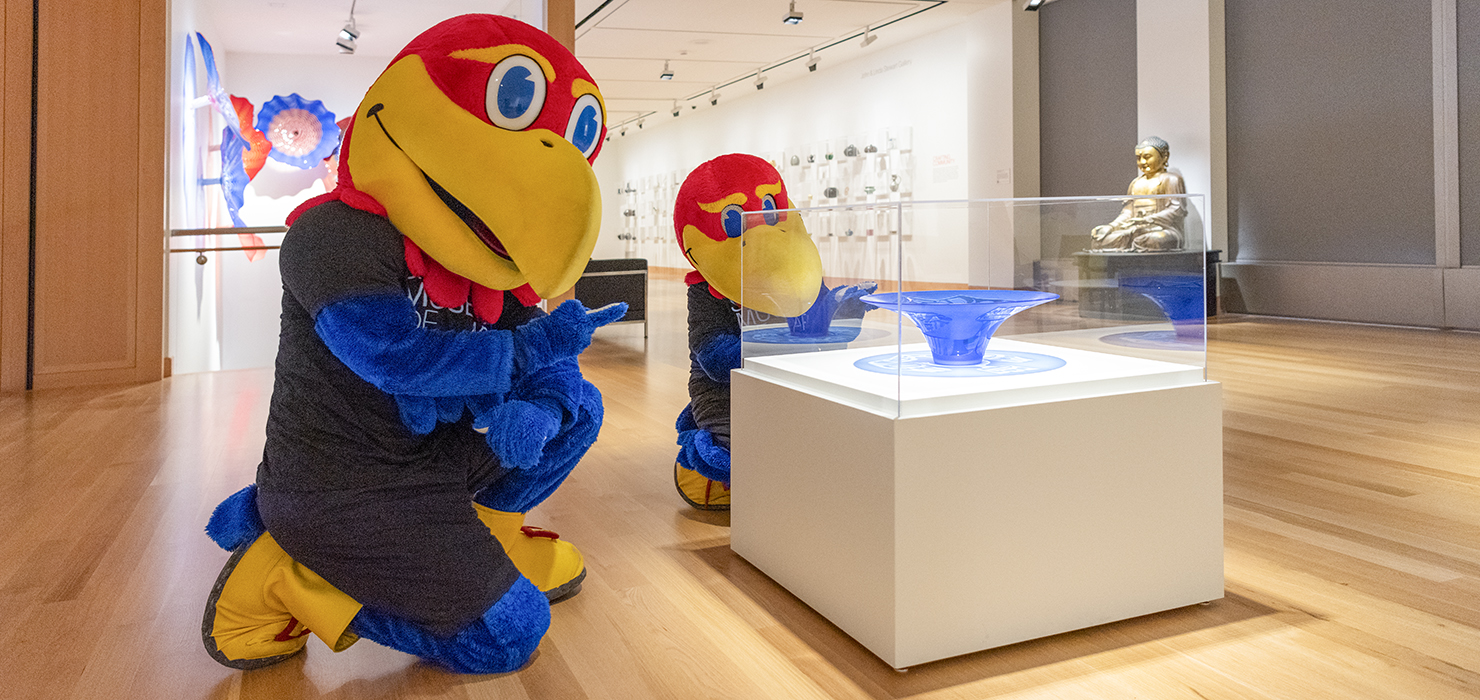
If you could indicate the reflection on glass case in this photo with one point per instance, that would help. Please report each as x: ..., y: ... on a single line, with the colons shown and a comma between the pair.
x: 981, y: 430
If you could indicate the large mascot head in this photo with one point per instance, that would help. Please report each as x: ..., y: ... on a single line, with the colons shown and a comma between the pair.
x: 477, y: 143
x: 729, y: 228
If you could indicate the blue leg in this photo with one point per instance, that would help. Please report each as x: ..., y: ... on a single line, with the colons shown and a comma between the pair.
x: 499, y: 642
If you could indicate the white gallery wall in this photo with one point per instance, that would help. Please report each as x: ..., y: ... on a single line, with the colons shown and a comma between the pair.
x: 192, y: 328
x: 949, y: 97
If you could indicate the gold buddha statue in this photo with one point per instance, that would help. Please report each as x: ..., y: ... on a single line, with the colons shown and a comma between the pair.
x: 1147, y: 225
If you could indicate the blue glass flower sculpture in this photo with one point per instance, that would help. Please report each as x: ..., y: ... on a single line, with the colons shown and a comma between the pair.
x: 1180, y: 297
x: 817, y: 321
x: 302, y: 132
x: 234, y: 176
x: 958, y: 323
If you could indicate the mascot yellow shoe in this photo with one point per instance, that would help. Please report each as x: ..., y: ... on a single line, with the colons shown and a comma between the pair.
x: 699, y: 491
x: 553, y: 565
x: 264, y: 605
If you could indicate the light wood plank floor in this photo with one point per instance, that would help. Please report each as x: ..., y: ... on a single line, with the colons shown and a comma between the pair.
x: 1352, y: 459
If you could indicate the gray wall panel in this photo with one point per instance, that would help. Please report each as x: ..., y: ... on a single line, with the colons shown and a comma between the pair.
x: 1087, y: 97
x: 1330, y: 131
x: 1363, y: 293
x: 1468, y: 47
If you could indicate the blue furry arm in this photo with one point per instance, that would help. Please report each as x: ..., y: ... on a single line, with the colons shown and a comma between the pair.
x: 561, y: 335
x: 714, y: 333
x: 718, y: 356
x: 378, y: 338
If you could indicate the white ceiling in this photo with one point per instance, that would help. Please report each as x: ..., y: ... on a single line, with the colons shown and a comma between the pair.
x: 708, y: 43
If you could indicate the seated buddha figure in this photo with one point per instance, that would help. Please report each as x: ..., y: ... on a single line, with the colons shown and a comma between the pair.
x: 1146, y: 225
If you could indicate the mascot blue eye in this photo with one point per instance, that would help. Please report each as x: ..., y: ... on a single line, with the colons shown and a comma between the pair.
x: 584, y: 129
x: 733, y: 219
x: 516, y: 93
x: 768, y: 210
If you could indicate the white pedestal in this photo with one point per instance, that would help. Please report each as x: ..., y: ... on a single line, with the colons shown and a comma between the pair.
x: 938, y: 529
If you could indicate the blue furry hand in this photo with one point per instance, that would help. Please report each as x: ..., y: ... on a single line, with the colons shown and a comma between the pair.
x: 518, y: 430
x: 562, y: 334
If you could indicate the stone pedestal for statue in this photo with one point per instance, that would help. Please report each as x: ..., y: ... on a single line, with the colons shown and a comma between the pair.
x: 1100, y: 295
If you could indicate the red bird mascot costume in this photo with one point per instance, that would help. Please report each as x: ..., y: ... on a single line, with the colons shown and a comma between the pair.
x: 422, y: 403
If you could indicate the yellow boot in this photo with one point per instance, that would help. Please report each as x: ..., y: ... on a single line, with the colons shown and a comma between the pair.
x: 553, y: 565
x: 264, y: 604
x: 700, y: 492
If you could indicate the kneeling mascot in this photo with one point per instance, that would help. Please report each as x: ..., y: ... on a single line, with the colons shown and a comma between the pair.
x: 422, y: 402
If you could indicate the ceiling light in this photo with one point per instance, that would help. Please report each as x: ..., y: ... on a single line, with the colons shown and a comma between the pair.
x: 639, y: 123
x: 1033, y: 5
x: 347, y: 36
x: 792, y: 16
x: 812, y: 60
x: 667, y: 74
x: 760, y: 80
x: 713, y: 97
x: 675, y: 108
x: 868, y: 37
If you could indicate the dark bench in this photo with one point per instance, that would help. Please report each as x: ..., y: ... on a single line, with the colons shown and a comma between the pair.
x: 612, y: 280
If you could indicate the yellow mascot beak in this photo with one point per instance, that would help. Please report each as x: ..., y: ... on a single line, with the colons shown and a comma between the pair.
x: 777, y: 267
x: 501, y: 208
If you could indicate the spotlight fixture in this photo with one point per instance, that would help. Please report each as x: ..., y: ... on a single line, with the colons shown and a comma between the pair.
x: 639, y: 123
x: 676, y: 110
x: 792, y: 16
x: 624, y: 131
x: 760, y: 80
x: 868, y: 36
x: 666, y: 74
x: 347, y: 36
x: 812, y: 60
x: 713, y: 97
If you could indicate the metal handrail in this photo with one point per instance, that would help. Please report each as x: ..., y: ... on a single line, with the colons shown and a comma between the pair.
x: 224, y: 250
x: 226, y: 231
x: 200, y: 253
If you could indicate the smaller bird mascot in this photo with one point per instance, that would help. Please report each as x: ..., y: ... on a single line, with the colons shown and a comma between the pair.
x: 724, y: 204
x: 422, y: 403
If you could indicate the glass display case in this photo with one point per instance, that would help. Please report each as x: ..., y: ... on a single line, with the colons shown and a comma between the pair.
x: 1014, y: 282
x: 986, y: 427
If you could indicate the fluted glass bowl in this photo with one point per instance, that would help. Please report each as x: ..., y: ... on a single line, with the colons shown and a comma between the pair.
x: 958, y: 323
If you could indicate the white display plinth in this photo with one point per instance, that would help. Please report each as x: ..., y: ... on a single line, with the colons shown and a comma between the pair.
x: 980, y: 512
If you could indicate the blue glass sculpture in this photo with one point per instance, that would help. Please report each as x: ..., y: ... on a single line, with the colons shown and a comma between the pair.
x: 302, y: 132
x: 1180, y: 297
x: 958, y: 323
x: 817, y: 321
x: 219, y: 99
x: 234, y: 177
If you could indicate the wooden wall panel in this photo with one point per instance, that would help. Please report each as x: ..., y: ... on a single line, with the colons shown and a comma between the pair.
x: 15, y: 179
x: 100, y: 192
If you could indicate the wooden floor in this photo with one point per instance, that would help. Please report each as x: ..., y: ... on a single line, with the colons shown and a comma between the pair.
x: 1352, y: 461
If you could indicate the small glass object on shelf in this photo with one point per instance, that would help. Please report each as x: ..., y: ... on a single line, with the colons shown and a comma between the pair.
x: 958, y: 323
